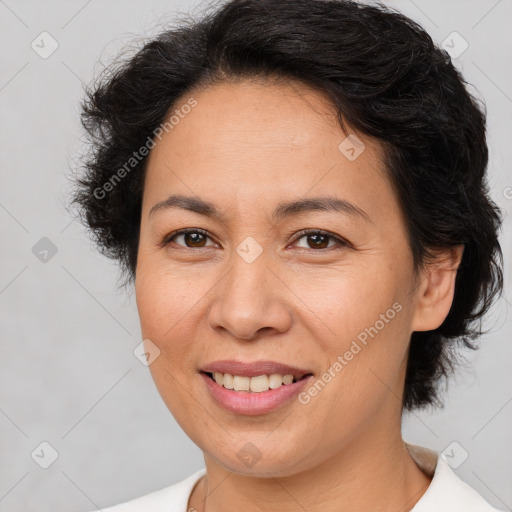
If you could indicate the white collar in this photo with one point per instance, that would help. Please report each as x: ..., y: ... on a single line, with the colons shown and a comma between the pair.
x: 446, y: 491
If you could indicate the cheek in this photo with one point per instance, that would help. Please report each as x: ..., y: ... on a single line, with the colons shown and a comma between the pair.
x: 167, y: 308
x: 345, y: 301
x: 363, y: 329
x: 167, y: 295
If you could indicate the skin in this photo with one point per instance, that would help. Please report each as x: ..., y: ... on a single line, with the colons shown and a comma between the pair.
x: 246, y: 147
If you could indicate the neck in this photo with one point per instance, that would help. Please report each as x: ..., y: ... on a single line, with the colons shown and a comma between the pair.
x: 373, y: 472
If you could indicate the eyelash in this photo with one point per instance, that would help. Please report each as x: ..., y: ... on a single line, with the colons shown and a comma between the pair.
x: 340, y: 241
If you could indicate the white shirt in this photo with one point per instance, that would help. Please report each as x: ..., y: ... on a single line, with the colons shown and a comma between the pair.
x: 446, y: 492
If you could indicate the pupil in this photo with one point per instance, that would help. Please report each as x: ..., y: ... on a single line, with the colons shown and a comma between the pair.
x: 194, y: 238
x: 316, y: 244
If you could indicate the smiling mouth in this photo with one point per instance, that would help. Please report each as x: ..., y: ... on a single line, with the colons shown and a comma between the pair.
x: 256, y: 384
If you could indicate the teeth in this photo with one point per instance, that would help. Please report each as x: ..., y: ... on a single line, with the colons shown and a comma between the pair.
x: 287, y: 379
x: 275, y: 381
x: 259, y: 383
x: 228, y: 381
x: 241, y: 383
x: 254, y: 384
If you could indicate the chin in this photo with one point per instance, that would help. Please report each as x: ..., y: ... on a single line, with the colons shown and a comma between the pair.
x: 257, y: 455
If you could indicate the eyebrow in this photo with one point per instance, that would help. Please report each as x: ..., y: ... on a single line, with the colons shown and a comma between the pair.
x: 283, y: 210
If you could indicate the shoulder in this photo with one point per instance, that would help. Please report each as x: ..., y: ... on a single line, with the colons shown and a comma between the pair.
x: 173, y: 498
x: 447, y: 491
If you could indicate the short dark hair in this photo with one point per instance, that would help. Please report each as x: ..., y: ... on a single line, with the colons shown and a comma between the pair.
x: 385, y: 77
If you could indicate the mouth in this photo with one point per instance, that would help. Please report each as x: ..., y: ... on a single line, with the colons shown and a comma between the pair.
x: 253, y: 388
x: 256, y: 384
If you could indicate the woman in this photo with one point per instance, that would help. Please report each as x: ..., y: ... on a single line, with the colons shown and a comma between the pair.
x: 297, y: 191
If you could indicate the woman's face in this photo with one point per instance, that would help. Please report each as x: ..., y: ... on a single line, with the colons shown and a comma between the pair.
x: 338, y: 308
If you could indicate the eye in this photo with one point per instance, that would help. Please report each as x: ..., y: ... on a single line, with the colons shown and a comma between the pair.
x: 192, y: 238
x: 318, y: 239
x: 197, y: 238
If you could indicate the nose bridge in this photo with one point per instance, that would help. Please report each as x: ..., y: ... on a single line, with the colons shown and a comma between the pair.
x: 248, y: 276
x: 249, y: 298
x: 249, y: 263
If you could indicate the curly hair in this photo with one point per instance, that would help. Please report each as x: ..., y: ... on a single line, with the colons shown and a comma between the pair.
x: 384, y: 76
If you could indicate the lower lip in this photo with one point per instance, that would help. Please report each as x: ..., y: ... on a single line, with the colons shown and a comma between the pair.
x: 250, y: 403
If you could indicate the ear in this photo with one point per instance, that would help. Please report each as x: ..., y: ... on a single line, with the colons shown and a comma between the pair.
x: 434, y: 293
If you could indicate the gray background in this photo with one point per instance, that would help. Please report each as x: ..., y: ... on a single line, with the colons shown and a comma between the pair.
x: 68, y: 375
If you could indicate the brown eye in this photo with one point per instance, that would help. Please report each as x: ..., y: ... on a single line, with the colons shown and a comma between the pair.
x: 320, y: 239
x: 192, y: 238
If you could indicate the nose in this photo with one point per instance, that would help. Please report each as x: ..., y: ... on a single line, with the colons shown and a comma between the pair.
x: 250, y: 300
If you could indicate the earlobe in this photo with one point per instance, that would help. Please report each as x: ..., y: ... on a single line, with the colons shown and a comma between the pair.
x: 434, y: 294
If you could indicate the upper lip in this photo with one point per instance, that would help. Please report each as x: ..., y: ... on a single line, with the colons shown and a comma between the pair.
x: 254, y: 369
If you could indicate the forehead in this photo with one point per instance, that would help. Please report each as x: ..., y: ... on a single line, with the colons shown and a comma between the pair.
x: 249, y: 140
